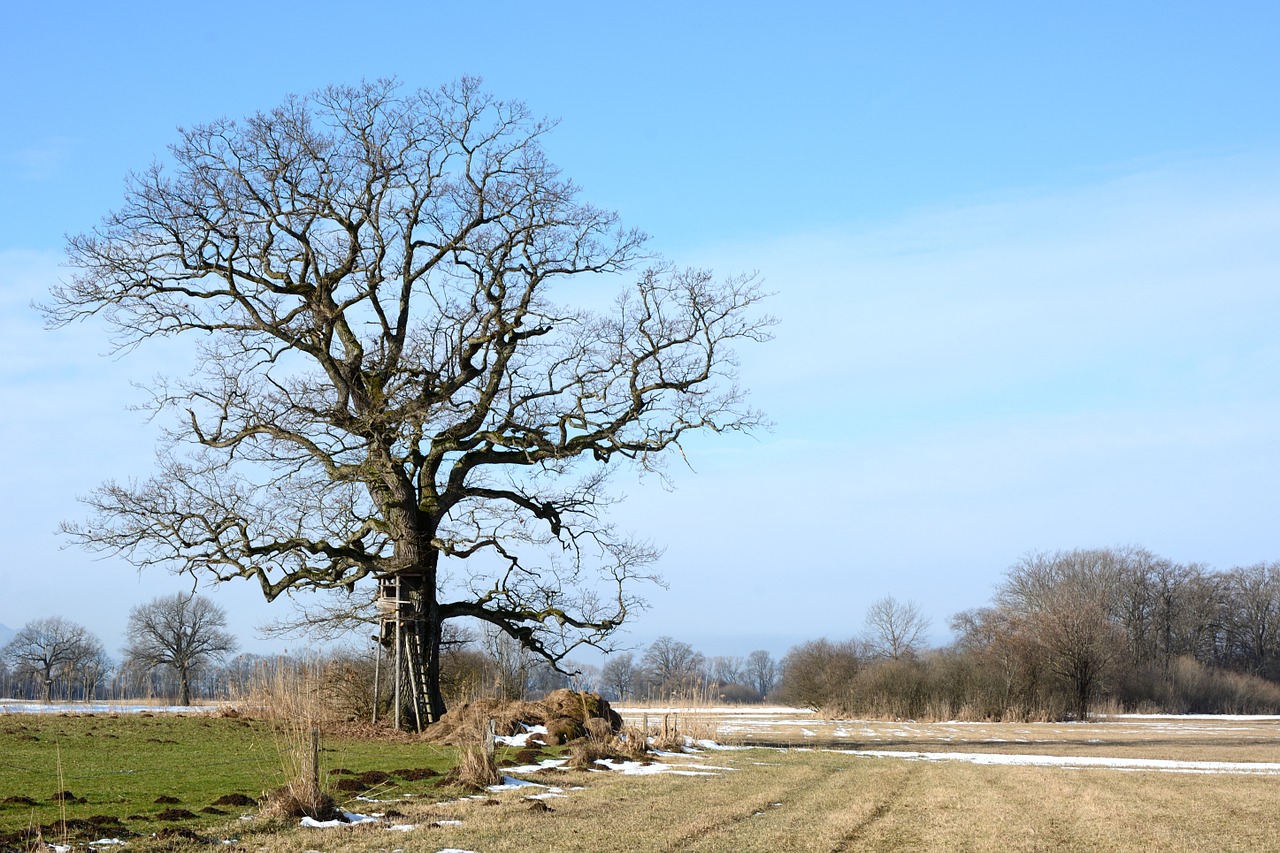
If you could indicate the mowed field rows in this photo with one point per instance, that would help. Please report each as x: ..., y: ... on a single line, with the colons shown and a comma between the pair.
x: 824, y: 801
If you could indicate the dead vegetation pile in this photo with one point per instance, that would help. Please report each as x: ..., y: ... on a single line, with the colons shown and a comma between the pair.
x: 583, y: 721
x: 565, y: 713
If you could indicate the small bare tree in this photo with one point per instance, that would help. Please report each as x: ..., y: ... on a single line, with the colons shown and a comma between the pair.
x: 512, y: 664
x: 618, y: 676
x: 673, y: 666
x: 725, y: 669
x: 762, y: 672
x: 182, y: 632
x: 895, y: 630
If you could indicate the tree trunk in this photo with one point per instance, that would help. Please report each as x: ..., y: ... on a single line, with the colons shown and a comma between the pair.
x: 421, y: 700
x: 184, y: 687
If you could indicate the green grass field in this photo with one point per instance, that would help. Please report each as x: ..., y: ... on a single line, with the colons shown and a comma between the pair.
x: 139, y: 774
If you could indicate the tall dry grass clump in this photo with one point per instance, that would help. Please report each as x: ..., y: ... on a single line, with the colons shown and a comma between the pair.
x: 302, y: 795
x: 297, y: 690
x: 477, y: 766
x: 290, y: 695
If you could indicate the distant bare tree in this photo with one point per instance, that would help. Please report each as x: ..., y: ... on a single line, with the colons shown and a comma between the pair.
x: 761, y: 672
x: 618, y: 676
x: 182, y: 632
x: 50, y: 649
x: 1062, y: 601
x: 725, y: 669
x: 512, y: 664
x: 90, y: 666
x: 1251, y: 617
x: 673, y: 666
x: 896, y: 630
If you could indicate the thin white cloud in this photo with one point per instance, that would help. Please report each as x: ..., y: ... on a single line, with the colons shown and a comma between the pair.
x: 42, y: 160
x: 1078, y: 367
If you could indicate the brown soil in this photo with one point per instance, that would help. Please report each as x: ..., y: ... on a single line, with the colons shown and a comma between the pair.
x: 235, y: 800
x: 176, y: 814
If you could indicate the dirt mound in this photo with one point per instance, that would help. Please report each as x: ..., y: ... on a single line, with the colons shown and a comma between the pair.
x: 235, y: 800
x: 75, y: 829
x: 416, y: 774
x: 176, y: 814
x: 565, y: 713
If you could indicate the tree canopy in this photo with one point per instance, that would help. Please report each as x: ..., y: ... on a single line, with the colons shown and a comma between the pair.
x: 396, y: 380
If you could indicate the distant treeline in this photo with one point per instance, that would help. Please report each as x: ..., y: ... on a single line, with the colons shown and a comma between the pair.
x: 1069, y: 632
x: 1065, y: 634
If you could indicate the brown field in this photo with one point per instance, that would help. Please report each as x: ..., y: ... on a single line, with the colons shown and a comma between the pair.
x: 808, y: 798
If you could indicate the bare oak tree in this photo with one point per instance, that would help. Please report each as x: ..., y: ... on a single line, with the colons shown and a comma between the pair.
x: 1062, y: 602
x: 761, y: 671
x: 896, y: 629
x: 182, y: 632
x: 618, y: 676
x: 672, y: 666
x: 392, y: 381
x: 53, y: 649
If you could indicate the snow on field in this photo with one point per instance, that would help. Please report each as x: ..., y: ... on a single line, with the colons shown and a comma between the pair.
x: 1257, y: 768
x: 798, y: 726
x: 718, y: 711
x: 21, y: 706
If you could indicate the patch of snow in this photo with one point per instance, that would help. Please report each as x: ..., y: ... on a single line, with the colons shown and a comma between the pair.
x: 722, y: 711
x: 510, y: 783
x: 520, y: 739
x: 1194, y: 716
x: 547, y: 764
x: 636, y: 768
x: 714, y: 746
x: 23, y: 707
x: 347, y: 819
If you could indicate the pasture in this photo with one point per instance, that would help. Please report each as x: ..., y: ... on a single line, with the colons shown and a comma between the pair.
x: 789, y: 782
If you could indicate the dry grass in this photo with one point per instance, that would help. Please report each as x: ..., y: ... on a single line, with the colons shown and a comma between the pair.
x: 795, y: 800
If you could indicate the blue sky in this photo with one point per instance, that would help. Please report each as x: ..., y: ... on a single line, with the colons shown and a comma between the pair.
x: 1026, y: 262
